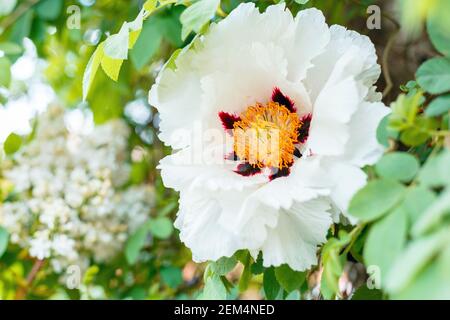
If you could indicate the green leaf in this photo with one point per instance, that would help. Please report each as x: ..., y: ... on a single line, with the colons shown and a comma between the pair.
x: 257, y: 267
x: 5, y: 73
x: 246, y: 275
x: 289, y: 279
x: 434, y: 216
x: 438, y: 106
x: 433, y: 282
x: 404, y: 111
x: 414, y: 136
x: 161, y: 227
x: 12, y: 143
x: 147, y: 44
x: 417, y: 200
x: 376, y: 199
x: 135, y: 244
x: 11, y: 48
x: 91, y: 69
x: 270, y: 284
x: 4, y: 238
x: 384, y: 133
x: 416, y: 256
x: 438, y: 26
x: 22, y: 27
x: 49, y: 9
x: 364, y: 293
x: 223, y: 266
x: 399, y: 166
x: 435, y: 172
x: 111, y: 67
x: 197, y: 15
x: 90, y: 274
x: 150, y: 5
x: 325, y: 288
x: 214, y: 289
x: 386, y: 240
x: 171, y: 276
x: 434, y: 75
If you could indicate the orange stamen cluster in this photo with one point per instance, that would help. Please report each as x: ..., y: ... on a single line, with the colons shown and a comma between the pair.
x: 265, y: 135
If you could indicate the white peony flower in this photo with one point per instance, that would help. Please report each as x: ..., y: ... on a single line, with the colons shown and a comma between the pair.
x: 296, y: 98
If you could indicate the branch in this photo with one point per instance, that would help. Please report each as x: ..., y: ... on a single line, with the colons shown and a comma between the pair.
x: 22, y: 292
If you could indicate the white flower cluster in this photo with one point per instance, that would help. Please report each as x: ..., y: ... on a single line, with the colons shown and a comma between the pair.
x: 70, y: 204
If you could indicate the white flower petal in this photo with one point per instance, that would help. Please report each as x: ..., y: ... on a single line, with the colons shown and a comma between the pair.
x: 363, y: 148
x: 185, y: 169
x: 200, y: 230
x: 310, y: 39
x: 329, y: 131
x: 364, y: 64
x: 295, y: 238
x: 348, y: 179
x: 306, y: 181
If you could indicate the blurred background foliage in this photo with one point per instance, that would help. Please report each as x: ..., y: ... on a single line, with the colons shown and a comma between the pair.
x: 154, y: 264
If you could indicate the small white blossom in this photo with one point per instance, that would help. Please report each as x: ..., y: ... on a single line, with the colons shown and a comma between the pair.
x: 69, y: 202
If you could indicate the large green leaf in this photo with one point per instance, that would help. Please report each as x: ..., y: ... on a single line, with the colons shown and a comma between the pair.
x: 386, y: 240
x: 214, y: 289
x: 376, y: 199
x: 384, y: 133
x: 197, y: 15
x: 270, y: 284
x: 438, y: 26
x: 416, y: 256
x: 438, y: 106
x: 49, y: 9
x: 417, y: 200
x: 433, y: 282
x: 435, y: 172
x: 147, y: 43
x: 434, y: 75
x: 434, y: 216
x: 399, y: 166
x: 223, y: 266
x: 289, y: 279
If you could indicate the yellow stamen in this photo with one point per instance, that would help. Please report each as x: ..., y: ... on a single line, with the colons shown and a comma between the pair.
x: 266, y: 135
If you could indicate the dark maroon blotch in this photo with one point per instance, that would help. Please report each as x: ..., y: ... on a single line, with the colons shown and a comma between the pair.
x: 303, y: 132
x: 278, y: 173
x: 297, y: 153
x: 280, y: 98
x: 228, y: 119
x: 246, y: 169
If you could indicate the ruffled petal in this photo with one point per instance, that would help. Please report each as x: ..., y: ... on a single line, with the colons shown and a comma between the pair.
x: 309, y: 41
x: 347, y: 180
x: 295, y: 238
x: 363, y: 148
x: 364, y: 67
x: 200, y: 230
